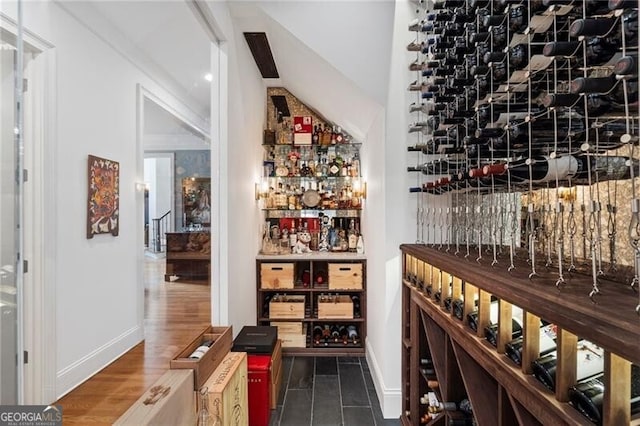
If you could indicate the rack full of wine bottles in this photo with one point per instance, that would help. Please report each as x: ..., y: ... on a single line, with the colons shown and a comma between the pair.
x: 524, y: 146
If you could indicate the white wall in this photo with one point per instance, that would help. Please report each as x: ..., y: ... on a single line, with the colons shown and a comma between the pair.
x: 236, y: 165
x: 95, y: 278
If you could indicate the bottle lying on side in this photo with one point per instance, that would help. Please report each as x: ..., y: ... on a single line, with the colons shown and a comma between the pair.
x: 491, y: 331
x: 513, y: 349
x: 587, y: 396
x: 590, y: 361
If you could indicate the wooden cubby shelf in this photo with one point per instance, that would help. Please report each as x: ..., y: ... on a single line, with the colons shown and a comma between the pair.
x: 466, y: 365
x: 297, y: 276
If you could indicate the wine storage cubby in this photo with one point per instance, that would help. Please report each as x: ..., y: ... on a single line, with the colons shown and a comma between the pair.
x: 523, y: 351
x: 318, y: 302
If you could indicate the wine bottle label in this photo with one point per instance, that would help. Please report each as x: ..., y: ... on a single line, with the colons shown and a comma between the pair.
x: 560, y: 168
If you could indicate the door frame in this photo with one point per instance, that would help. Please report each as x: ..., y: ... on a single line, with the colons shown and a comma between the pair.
x: 37, y: 322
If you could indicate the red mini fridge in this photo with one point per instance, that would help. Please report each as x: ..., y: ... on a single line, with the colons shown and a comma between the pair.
x: 259, y: 369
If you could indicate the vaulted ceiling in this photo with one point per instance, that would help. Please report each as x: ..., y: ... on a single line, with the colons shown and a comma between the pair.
x: 334, y: 56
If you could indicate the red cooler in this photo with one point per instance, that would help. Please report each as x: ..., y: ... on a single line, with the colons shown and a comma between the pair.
x: 259, y: 389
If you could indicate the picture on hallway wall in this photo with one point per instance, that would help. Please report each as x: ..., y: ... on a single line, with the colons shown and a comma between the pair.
x: 103, y: 214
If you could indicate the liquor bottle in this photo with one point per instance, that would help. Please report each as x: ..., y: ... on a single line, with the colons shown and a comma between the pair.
x: 352, y: 237
x: 352, y: 332
x: 513, y: 349
x: 333, y: 234
x: 360, y: 244
x: 204, y: 416
x: 590, y: 361
x: 339, y: 136
x: 317, y: 334
x: 588, y: 395
x: 293, y: 235
x: 334, y: 167
x: 315, y: 139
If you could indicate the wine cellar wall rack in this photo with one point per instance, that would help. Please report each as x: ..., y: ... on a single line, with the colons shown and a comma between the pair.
x: 440, y: 293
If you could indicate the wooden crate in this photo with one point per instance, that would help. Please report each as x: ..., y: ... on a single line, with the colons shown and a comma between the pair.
x: 170, y: 400
x: 228, y: 395
x: 294, y: 340
x: 288, y: 307
x: 335, y: 307
x: 276, y: 275
x: 288, y: 327
x: 345, y: 276
x: 203, y: 367
x: 276, y: 373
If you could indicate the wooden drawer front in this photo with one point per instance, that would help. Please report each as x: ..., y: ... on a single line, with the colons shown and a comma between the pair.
x: 288, y: 327
x: 276, y: 275
x: 343, y: 276
x: 287, y: 307
x: 335, y: 307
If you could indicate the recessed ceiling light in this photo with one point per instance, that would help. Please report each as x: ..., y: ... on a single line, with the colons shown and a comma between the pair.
x: 208, y: 77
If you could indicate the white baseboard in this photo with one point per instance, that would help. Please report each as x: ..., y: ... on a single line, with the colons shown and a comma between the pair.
x: 390, y: 398
x: 75, y: 374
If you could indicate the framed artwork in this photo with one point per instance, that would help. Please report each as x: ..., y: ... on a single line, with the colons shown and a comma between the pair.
x: 103, y: 212
x: 196, y: 195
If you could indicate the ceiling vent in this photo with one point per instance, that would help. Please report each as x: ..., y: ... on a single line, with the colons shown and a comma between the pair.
x: 259, y: 46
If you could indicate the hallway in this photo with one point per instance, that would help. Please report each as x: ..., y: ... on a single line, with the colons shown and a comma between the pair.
x: 174, y: 314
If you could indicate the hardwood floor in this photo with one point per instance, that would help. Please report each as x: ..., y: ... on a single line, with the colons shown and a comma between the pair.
x: 174, y: 314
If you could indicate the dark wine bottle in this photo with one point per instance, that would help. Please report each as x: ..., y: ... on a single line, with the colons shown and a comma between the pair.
x: 597, y: 51
x: 491, y: 331
x: 513, y: 349
x: 352, y: 332
x: 317, y: 334
x: 587, y: 396
x: 590, y: 361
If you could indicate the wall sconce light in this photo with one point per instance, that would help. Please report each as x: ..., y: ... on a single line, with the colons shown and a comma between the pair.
x: 360, y: 188
x: 141, y: 186
x: 567, y: 194
x: 261, y: 190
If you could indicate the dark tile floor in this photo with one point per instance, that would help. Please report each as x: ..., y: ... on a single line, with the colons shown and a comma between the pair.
x: 327, y: 391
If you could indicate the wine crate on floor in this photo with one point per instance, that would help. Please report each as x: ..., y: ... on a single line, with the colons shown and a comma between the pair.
x: 170, y: 401
x: 203, y: 367
x: 288, y: 307
x: 345, y: 276
x: 276, y: 275
x: 227, y: 387
x: 335, y: 307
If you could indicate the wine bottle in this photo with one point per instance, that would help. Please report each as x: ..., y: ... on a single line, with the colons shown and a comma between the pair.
x: 590, y: 361
x: 472, y: 317
x: 201, y: 350
x: 543, y: 131
x: 597, y: 51
x: 587, y: 396
x: 317, y: 334
x: 609, y: 27
x: 596, y: 104
x: 547, y: 341
x: 355, y: 299
x: 352, y: 332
